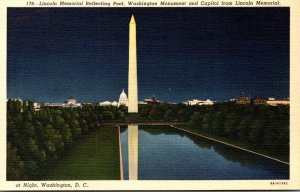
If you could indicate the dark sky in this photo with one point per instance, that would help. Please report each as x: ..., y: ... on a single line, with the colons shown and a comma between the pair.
x: 183, y: 53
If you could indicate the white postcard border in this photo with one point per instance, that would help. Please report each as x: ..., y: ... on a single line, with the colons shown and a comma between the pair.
x: 292, y: 183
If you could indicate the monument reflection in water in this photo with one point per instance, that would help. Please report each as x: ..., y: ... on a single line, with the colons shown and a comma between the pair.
x: 133, y: 141
x: 165, y: 153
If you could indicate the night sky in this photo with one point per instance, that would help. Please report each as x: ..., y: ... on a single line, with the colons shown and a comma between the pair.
x: 183, y: 53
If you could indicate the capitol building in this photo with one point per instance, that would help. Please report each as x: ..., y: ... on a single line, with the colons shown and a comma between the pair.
x: 123, y: 100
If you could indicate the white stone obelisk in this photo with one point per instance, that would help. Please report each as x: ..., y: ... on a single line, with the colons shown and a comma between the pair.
x: 132, y: 69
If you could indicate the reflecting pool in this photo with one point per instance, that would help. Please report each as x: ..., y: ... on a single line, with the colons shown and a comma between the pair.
x: 165, y: 153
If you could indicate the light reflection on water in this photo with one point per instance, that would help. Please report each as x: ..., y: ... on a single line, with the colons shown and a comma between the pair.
x: 132, y: 132
x: 164, y: 153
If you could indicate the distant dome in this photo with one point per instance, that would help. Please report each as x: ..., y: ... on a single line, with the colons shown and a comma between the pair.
x: 123, y: 99
x: 123, y: 95
x: 71, y: 100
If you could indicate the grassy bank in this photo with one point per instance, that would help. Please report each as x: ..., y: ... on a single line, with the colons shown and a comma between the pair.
x: 265, y: 150
x: 94, y: 157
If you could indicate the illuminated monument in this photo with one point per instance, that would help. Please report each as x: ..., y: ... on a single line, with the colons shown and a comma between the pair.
x: 132, y: 103
x: 132, y: 69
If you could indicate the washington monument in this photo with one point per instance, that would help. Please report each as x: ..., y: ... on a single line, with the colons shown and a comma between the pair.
x: 132, y: 69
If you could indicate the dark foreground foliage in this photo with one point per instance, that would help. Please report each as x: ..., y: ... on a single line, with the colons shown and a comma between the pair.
x: 258, y: 126
x: 37, y: 138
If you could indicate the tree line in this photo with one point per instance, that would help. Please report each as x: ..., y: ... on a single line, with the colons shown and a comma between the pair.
x: 36, y: 139
x: 262, y: 126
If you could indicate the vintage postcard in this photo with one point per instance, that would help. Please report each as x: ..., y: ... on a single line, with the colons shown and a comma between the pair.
x: 152, y: 95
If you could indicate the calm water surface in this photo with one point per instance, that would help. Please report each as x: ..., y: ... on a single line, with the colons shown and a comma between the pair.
x: 164, y: 153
